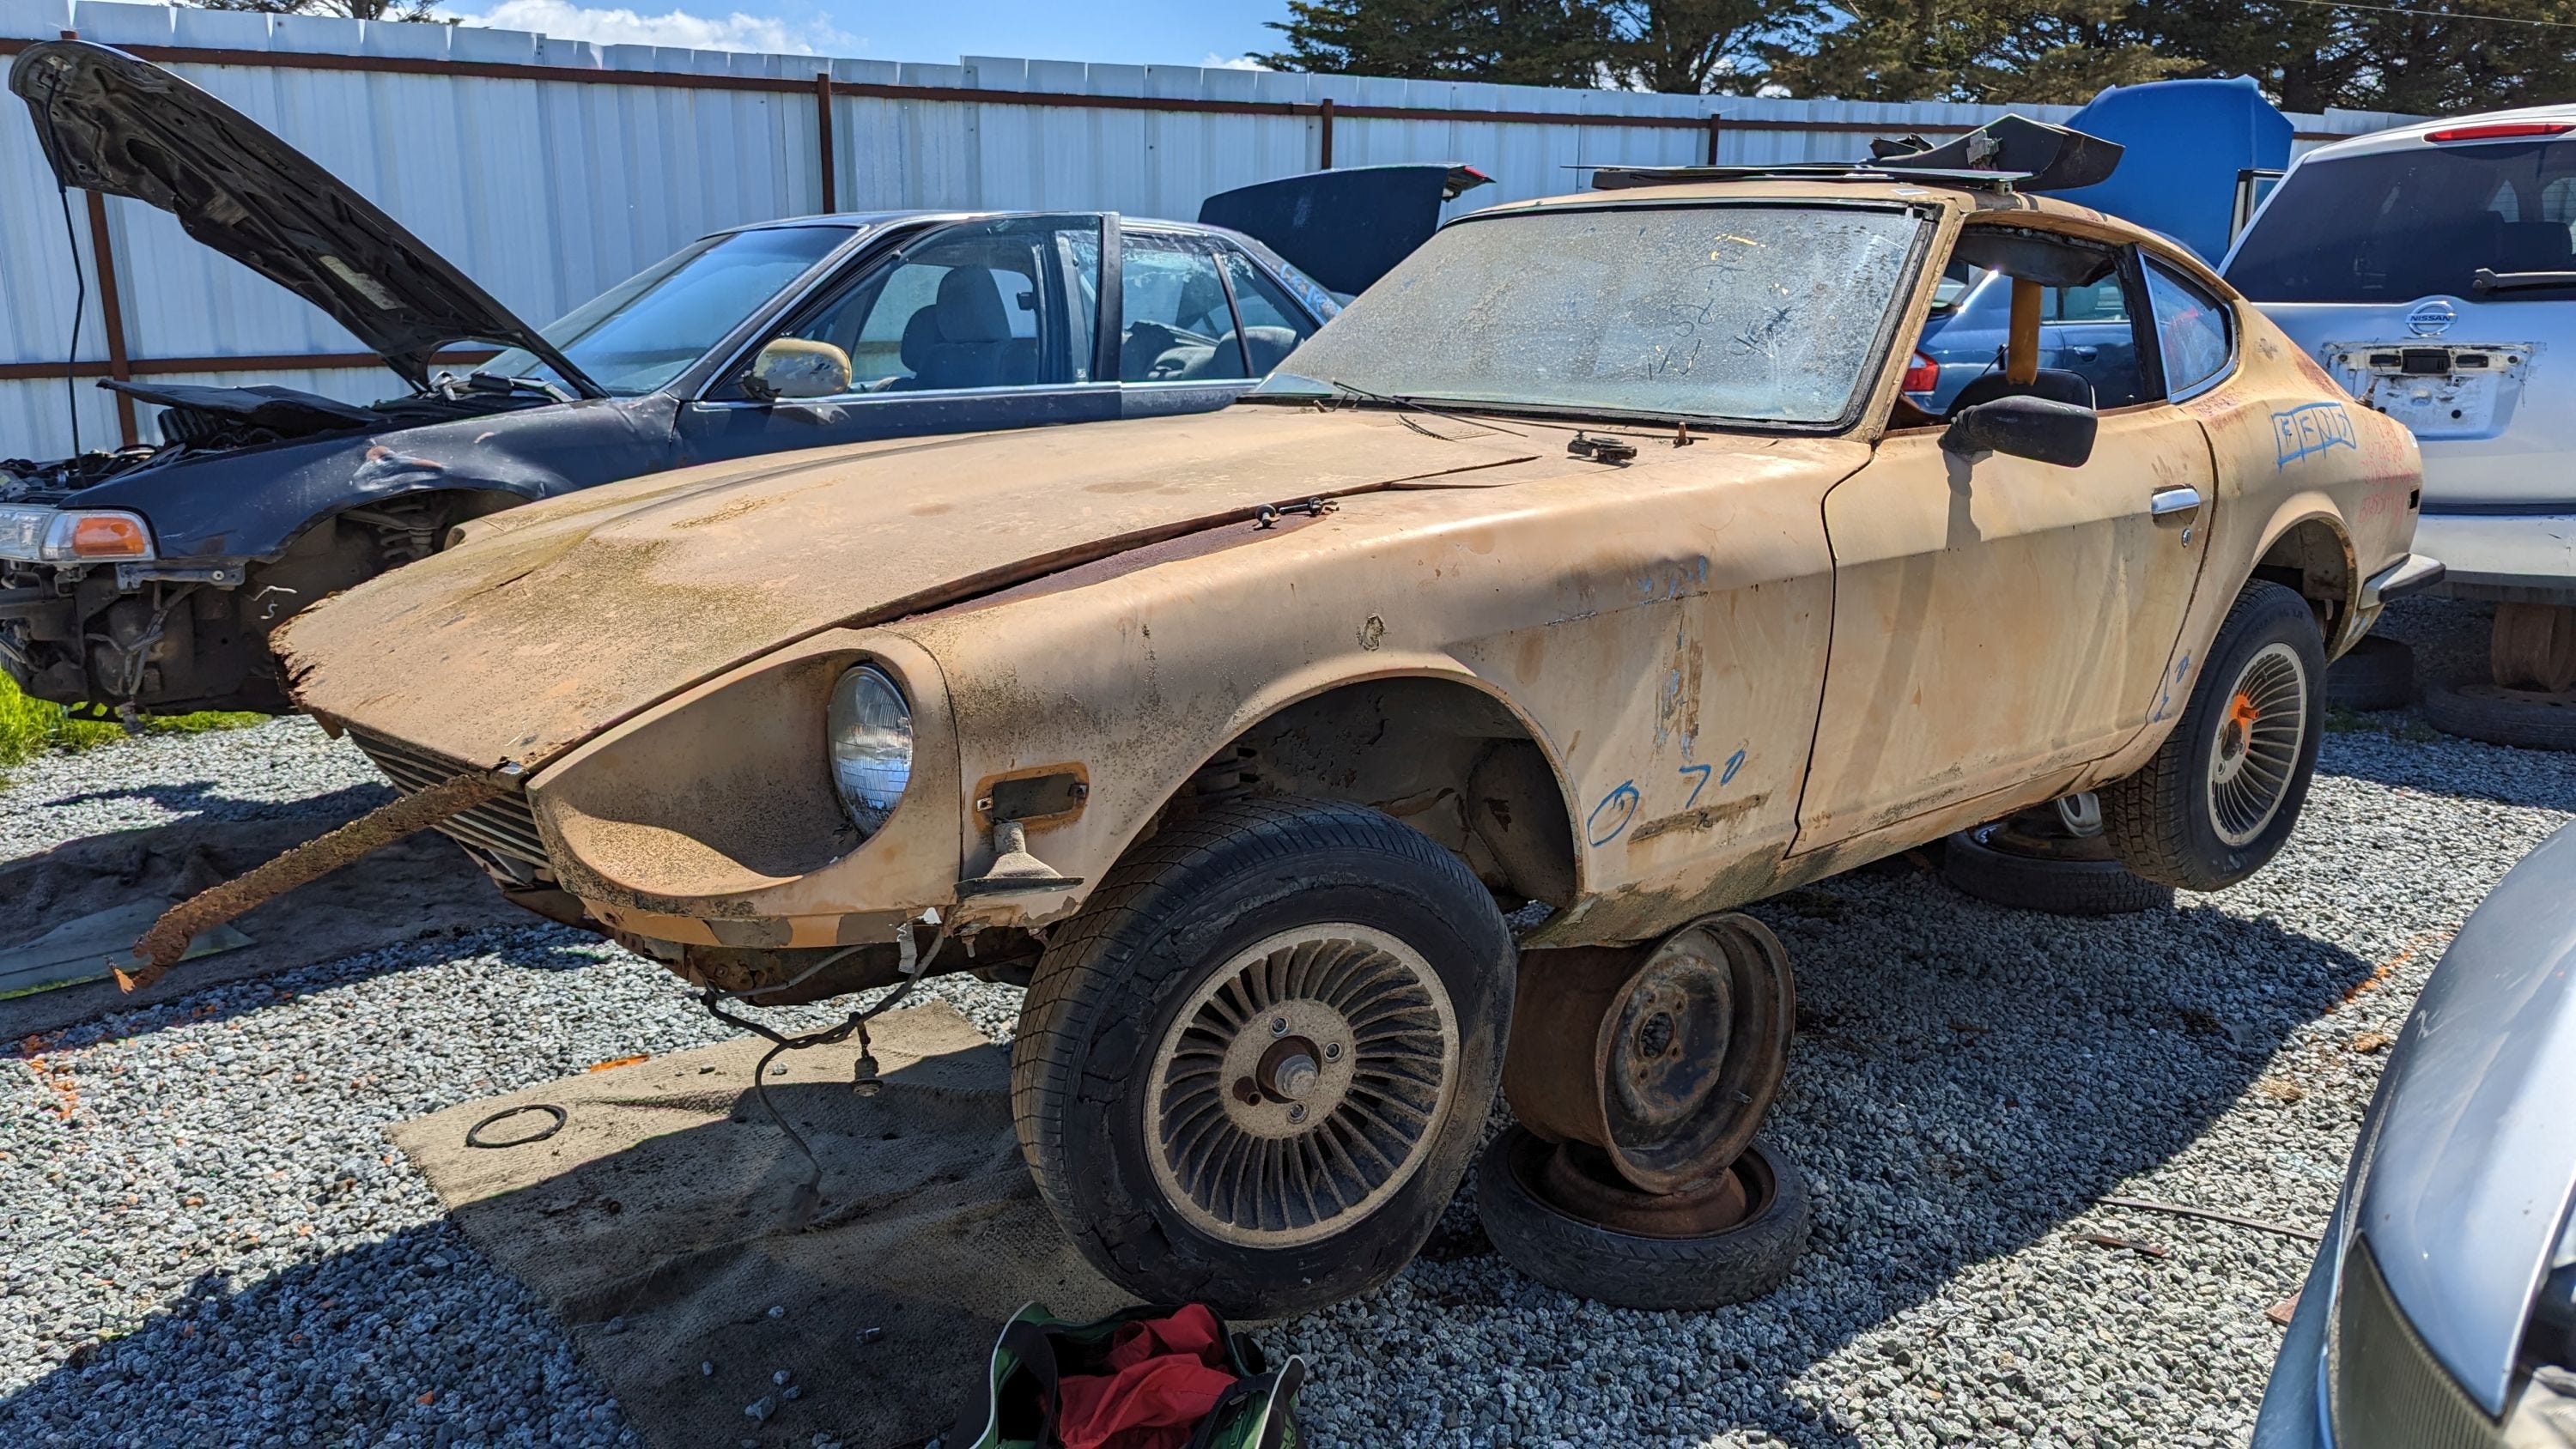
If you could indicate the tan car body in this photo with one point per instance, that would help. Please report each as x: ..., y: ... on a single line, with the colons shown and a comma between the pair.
x: 1642, y: 692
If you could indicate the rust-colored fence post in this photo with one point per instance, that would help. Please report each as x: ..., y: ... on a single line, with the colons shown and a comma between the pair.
x: 1325, y: 112
x: 1713, y: 128
x: 823, y: 139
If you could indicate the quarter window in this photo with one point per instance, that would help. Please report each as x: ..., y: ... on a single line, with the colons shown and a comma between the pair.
x: 2191, y: 330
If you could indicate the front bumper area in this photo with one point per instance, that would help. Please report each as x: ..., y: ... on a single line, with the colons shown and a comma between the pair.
x: 707, y: 828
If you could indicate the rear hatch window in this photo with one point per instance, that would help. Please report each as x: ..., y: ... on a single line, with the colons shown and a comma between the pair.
x: 2393, y: 226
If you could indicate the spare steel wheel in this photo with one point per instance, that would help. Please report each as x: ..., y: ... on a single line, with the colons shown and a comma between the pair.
x: 1665, y: 1058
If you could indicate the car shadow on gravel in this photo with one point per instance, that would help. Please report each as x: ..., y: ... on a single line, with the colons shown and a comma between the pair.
x: 415, y: 1334
x: 1965, y: 1082
x: 203, y: 798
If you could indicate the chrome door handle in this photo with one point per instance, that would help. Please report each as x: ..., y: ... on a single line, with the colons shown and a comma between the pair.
x: 2176, y: 503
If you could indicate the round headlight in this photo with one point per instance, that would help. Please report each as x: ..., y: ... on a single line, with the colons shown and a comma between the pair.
x: 871, y: 743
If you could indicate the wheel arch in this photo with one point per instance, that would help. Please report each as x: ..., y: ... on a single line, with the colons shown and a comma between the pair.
x: 2308, y: 550
x: 1428, y: 742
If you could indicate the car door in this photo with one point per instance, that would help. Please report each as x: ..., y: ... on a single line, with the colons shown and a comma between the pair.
x: 982, y: 325
x: 1999, y: 621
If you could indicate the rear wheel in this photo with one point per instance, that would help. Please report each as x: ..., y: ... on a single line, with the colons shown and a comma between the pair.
x: 1252, y: 1071
x: 2216, y: 801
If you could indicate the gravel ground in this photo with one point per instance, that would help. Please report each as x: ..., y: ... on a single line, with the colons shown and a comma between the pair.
x: 212, y: 1241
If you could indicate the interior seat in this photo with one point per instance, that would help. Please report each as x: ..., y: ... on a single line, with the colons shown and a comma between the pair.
x: 963, y: 339
x: 2050, y: 383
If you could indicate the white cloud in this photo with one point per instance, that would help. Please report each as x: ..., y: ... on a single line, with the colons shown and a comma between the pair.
x: 1215, y: 61
x: 618, y: 26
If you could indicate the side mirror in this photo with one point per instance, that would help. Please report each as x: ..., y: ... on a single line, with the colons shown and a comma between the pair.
x: 791, y: 367
x: 2025, y: 427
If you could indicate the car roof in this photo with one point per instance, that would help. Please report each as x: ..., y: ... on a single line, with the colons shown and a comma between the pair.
x: 1872, y: 187
x: 2397, y: 138
x: 873, y: 219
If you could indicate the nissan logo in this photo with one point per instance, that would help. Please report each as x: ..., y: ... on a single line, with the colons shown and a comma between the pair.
x: 2432, y: 319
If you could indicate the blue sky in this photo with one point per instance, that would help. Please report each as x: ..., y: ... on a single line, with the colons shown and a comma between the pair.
x: 1153, y: 32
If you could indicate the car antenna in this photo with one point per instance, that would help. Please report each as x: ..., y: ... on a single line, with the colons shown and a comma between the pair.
x: 80, y: 279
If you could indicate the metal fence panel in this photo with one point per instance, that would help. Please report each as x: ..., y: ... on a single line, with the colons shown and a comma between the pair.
x: 549, y: 191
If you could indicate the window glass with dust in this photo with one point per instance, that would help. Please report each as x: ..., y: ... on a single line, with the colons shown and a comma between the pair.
x: 1775, y: 314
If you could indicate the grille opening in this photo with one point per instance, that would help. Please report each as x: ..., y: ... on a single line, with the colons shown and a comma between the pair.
x: 505, y: 827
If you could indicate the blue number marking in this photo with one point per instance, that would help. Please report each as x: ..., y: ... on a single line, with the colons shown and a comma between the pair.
x: 1734, y: 762
x: 1612, y: 815
x: 1703, y: 772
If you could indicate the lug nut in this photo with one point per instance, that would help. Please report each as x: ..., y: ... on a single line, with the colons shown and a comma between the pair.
x: 1332, y: 1051
x: 1278, y: 1026
x: 1297, y: 1112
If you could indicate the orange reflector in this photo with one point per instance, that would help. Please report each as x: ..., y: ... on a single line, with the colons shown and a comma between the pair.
x: 2502, y: 131
x: 109, y: 536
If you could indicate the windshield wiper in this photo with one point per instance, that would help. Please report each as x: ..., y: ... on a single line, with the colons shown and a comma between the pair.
x: 1399, y: 400
x: 490, y: 380
x: 2487, y: 279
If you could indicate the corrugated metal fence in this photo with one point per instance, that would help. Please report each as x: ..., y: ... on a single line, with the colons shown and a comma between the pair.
x: 551, y: 169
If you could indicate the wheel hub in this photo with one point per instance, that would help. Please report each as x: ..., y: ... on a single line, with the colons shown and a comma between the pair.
x: 1301, y: 1085
x: 2256, y: 752
x: 1579, y: 1180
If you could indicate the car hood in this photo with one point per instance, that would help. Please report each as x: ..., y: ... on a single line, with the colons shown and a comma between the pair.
x: 116, y: 123
x: 2464, y: 1179
x: 550, y: 623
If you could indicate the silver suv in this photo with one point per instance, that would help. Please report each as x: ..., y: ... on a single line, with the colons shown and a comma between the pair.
x: 2432, y: 270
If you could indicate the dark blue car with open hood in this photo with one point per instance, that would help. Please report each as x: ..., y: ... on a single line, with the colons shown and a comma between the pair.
x: 149, y: 577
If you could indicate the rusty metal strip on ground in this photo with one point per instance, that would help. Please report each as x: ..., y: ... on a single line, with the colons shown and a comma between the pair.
x: 163, y: 945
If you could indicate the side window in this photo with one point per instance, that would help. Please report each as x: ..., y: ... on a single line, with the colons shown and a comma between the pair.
x: 1272, y: 325
x: 2191, y: 330
x: 1178, y: 326
x: 2101, y: 302
x: 997, y: 304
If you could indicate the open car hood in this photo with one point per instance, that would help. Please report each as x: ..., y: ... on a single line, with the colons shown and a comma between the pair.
x: 549, y: 623
x: 114, y: 123
x: 1345, y: 228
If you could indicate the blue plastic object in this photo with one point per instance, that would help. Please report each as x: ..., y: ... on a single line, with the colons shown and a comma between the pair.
x: 2187, y: 142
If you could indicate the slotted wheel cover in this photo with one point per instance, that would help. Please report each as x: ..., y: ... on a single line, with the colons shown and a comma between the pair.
x: 1302, y: 1085
x: 2261, y: 726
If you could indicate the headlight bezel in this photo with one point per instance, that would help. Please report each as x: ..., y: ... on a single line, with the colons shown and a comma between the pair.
x: 869, y: 744
x: 41, y: 533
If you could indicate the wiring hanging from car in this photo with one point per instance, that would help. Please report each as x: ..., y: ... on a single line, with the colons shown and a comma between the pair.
x: 864, y: 1079
x: 80, y: 279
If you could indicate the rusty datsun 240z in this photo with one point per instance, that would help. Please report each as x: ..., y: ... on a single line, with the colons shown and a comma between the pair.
x: 1592, y: 558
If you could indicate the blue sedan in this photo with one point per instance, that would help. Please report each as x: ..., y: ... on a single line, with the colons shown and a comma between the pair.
x: 2441, y: 1310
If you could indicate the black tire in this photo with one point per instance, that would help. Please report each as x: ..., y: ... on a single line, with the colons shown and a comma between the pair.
x: 2500, y: 716
x: 2374, y: 674
x: 1975, y: 864
x: 1116, y: 978
x: 1632, y: 1271
x: 2161, y: 821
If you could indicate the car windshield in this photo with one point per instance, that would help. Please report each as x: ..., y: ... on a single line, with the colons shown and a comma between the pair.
x: 646, y: 330
x: 2392, y: 226
x: 1743, y: 312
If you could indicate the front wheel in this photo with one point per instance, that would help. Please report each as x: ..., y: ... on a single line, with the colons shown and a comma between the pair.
x: 1252, y: 1071
x: 2217, y: 800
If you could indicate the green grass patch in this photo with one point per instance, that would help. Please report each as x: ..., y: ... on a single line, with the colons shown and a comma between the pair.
x: 30, y: 727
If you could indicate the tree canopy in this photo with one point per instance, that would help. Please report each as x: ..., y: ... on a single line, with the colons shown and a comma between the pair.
x: 2398, y: 55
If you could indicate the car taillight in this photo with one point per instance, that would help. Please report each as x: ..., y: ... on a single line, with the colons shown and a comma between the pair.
x: 2502, y: 131
x: 1921, y: 375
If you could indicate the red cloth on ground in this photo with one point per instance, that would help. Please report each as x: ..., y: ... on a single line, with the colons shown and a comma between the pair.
x: 1165, y: 1375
